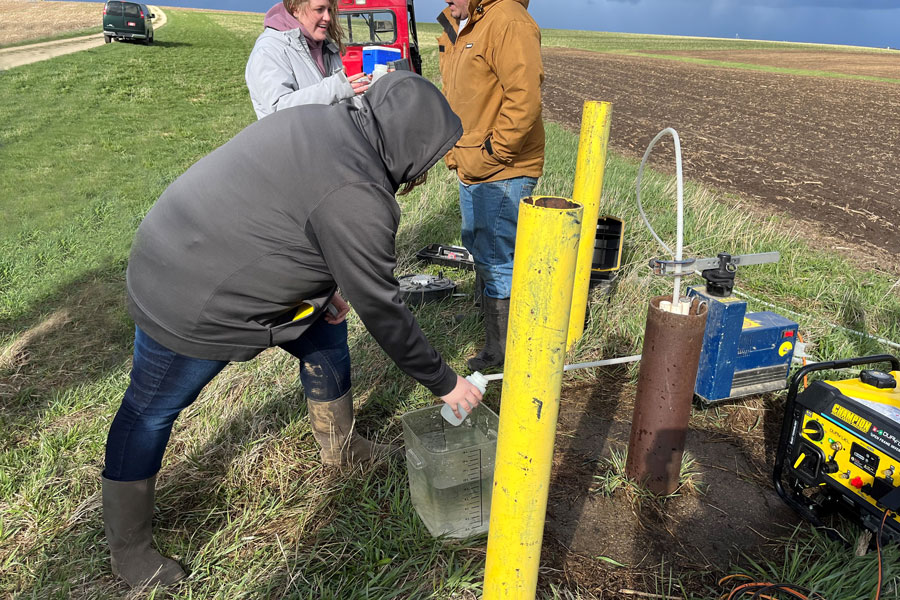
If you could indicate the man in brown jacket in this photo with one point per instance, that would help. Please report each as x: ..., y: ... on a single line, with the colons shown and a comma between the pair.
x: 490, y: 60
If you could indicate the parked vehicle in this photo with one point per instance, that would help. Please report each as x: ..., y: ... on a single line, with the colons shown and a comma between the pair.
x: 379, y: 23
x: 127, y: 21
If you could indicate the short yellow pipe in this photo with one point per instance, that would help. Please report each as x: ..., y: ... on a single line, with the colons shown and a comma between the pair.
x: 589, y: 168
x: 543, y: 271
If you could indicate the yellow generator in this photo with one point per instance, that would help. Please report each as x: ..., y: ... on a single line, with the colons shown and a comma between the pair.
x: 840, y: 446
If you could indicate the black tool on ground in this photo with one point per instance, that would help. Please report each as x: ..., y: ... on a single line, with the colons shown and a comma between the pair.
x: 840, y: 446
x: 420, y: 288
x: 447, y: 256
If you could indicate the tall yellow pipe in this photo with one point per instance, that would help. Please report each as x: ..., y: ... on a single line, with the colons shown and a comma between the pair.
x: 543, y: 271
x: 589, y: 168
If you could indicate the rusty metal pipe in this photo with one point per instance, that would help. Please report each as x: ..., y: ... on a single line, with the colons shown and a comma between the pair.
x: 665, y: 389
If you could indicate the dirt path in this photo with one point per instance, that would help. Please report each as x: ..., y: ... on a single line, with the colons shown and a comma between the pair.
x: 23, y: 55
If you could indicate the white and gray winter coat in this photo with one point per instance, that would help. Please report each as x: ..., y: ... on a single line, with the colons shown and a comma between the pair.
x: 282, y: 73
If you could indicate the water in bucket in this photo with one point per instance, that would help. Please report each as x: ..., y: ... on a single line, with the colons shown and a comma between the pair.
x: 451, y: 469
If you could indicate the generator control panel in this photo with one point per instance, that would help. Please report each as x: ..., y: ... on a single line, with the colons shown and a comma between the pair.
x: 840, y: 448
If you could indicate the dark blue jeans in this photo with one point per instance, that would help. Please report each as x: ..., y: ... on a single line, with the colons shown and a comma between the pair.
x: 490, y: 213
x: 163, y: 383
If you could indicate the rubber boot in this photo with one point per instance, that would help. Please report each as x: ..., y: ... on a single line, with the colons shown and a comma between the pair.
x: 127, y: 517
x: 496, y: 318
x: 333, y: 427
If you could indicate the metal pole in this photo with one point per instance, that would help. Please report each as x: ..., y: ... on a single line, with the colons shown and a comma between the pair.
x: 546, y: 248
x: 589, y: 168
x: 662, y: 402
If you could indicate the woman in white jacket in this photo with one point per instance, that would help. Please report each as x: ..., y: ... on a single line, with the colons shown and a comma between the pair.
x: 297, y: 59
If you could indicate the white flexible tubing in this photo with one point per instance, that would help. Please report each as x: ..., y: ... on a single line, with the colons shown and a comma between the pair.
x: 796, y: 314
x: 587, y: 365
x: 676, y: 295
x: 679, y: 227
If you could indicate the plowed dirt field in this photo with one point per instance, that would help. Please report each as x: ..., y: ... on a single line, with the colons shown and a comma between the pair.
x: 824, y: 150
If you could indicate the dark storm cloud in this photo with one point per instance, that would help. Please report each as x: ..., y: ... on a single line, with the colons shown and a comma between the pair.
x: 849, y: 4
x: 787, y: 4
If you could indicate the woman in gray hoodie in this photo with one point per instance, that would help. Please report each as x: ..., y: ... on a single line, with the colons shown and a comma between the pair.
x: 245, y: 251
x: 297, y: 59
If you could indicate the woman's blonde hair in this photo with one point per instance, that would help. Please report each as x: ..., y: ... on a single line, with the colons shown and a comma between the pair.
x: 335, y: 31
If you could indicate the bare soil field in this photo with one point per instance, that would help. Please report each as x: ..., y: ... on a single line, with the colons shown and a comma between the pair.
x: 22, y: 20
x: 825, y: 151
x: 870, y: 64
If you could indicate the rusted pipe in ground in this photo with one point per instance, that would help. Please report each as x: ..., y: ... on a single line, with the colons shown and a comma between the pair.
x: 665, y: 389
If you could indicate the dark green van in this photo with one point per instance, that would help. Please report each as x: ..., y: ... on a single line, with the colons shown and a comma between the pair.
x: 127, y: 21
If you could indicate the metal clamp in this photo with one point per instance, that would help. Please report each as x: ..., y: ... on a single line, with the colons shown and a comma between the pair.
x: 671, y: 267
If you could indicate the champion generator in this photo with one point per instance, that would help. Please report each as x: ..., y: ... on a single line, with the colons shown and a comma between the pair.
x: 840, y: 446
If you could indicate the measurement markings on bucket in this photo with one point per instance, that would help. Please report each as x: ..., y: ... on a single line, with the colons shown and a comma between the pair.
x: 473, y: 500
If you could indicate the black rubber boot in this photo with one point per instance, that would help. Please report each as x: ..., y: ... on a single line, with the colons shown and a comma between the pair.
x: 333, y: 427
x: 496, y: 318
x: 127, y: 517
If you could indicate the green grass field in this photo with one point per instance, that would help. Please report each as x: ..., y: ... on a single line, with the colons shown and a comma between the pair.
x: 89, y: 141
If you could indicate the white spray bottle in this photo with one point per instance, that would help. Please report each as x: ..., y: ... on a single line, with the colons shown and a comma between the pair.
x: 476, y: 379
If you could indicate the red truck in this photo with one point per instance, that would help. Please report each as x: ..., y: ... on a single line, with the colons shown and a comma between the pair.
x: 375, y: 24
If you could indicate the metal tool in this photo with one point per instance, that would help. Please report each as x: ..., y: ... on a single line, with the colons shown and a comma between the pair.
x: 723, y: 260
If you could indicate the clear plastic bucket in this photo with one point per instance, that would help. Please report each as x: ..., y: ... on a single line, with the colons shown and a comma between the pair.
x: 451, y: 469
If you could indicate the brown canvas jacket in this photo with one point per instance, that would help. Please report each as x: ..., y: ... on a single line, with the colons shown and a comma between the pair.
x: 492, y: 74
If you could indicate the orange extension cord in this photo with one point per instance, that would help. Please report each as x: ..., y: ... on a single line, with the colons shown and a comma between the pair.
x: 759, y: 588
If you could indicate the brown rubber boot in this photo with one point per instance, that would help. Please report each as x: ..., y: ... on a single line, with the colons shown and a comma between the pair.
x: 333, y: 427
x: 496, y: 318
x: 127, y: 517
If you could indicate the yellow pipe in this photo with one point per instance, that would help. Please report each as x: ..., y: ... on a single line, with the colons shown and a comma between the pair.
x: 544, y: 267
x: 589, y: 168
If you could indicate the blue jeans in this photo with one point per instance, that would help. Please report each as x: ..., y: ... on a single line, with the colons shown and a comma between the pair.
x: 490, y: 212
x: 163, y: 383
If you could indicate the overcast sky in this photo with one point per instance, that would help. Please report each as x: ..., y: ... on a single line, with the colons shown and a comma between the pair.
x: 854, y: 22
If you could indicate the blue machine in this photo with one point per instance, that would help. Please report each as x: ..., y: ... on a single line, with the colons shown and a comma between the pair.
x: 743, y: 353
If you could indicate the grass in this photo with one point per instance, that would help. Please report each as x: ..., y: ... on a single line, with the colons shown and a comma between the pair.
x: 612, y: 478
x: 243, y: 500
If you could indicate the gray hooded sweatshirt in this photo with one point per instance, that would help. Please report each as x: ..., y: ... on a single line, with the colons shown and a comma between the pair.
x: 294, y: 205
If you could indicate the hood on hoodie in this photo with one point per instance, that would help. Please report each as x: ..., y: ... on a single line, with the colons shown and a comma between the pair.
x: 279, y: 19
x: 409, y: 122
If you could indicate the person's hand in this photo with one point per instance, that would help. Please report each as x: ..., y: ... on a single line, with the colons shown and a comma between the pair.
x: 464, y: 398
x: 342, y: 310
x: 359, y: 82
